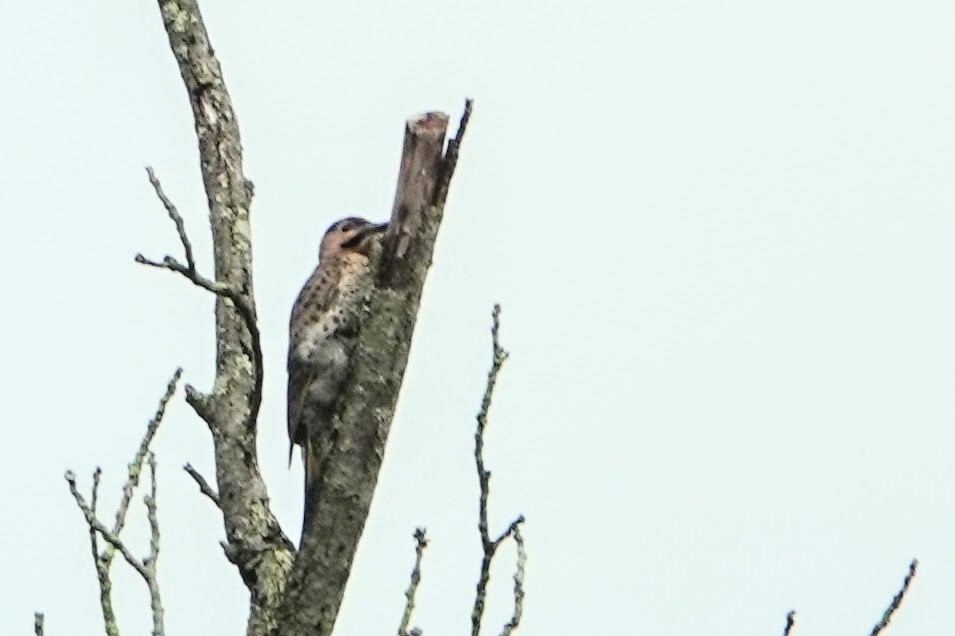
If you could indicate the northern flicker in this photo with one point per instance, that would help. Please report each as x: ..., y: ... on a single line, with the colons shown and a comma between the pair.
x: 322, y: 335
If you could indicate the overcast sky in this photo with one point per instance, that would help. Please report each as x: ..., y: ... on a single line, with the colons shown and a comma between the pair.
x: 722, y: 234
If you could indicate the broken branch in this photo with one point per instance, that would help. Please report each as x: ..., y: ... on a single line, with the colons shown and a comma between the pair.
x: 204, y: 486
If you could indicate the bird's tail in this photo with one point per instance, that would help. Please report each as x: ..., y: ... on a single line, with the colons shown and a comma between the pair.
x: 310, y: 464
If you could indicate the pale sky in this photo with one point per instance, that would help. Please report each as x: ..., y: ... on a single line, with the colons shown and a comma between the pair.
x: 722, y: 234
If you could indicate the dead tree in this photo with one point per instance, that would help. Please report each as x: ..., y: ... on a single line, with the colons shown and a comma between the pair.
x: 294, y: 591
x: 299, y: 591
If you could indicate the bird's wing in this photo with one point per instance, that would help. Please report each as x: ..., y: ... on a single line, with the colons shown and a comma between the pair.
x: 298, y: 381
x: 317, y: 295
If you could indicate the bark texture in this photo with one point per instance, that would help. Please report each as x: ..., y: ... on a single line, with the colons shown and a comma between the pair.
x: 254, y: 541
x: 340, y: 503
x: 299, y: 593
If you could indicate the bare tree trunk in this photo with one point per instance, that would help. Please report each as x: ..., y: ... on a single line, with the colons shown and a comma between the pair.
x: 254, y: 541
x: 299, y: 593
x: 340, y: 502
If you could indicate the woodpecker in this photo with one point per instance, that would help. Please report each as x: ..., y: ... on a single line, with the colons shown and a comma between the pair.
x: 322, y: 334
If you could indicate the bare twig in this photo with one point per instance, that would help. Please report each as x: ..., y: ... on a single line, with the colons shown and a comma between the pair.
x: 103, y: 560
x: 236, y: 297
x: 38, y: 623
x: 174, y: 215
x: 511, y: 625
x: 146, y: 568
x: 896, y: 600
x: 790, y: 621
x: 484, y: 477
x: 155, y: 602
x: 101, y: 563
x: 111, y: 539
x: 136, y: 467
x: 93, y: 501
x: 173, y: 265
x: 450, y: 161
x: 421, y: 542
x: 204, y: 486
x: 239, y: 298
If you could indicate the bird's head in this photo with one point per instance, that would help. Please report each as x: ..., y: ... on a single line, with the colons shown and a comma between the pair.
x: 352, y: 234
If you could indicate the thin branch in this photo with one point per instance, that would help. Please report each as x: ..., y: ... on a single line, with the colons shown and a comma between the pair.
x: 421, y: 542
x: 38, y: 623
x: 155, y: 602
x: 170, y: 263
x: 101, y: 563
x: 512, y: 624
x: 896, y: 600
x: 204, y: 486
x: 484, y: 477
x: 94, y: 499
x: 238, y: 299
x: 790, y: 621
x: 136, y: 467
x: 103, y: 531
x: 450, y: 160
x: 174, y: 215
x: 103, y: 560
x: 511, y: 530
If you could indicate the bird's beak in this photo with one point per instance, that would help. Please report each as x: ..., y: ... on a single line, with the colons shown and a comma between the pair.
x: 363, y: 234
x: 368, y: 230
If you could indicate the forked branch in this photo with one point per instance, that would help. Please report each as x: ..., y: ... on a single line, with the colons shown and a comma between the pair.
x: 489, y: 546
x: 239, y: 299
x: 102, y: 560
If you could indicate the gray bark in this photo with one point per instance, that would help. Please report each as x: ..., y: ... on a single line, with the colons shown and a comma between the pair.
x: 300, y: 592
x: 254, y: 541
x: 340, y: 503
